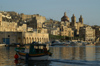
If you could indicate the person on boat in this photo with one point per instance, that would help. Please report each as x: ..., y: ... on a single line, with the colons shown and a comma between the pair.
x: 32, y: 49
x: 45, y: 49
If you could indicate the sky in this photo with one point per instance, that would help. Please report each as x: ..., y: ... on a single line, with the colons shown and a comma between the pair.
x: 54, y: 9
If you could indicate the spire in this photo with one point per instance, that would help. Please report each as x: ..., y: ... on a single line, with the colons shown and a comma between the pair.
x: 80, y: 16
x: 73, y: 18
x: 64, y: 13
x: 81, y: 19
x: 73, y: 15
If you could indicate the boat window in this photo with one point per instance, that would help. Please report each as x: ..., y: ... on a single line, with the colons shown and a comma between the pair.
x: 27, y: 46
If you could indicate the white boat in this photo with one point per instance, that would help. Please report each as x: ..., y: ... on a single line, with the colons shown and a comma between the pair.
x: 67, y: 43
x: 57, y: 43
x: 79, y: 43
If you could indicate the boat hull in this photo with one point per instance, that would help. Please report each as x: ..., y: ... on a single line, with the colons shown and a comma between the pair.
x: 46, y: 57
x: 41, y: 56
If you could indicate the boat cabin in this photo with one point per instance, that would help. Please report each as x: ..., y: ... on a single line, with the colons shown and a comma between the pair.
x: 35, y: 48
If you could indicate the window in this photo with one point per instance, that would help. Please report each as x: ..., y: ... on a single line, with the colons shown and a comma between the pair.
x: 8, y: 35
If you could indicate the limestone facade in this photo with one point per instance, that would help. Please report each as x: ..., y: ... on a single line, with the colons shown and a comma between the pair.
x: 36, y: 22
x: 23, y: 37
x: 26, y: 17
x: 76, y: 25
x: 73, y: 24
x: 97, y: 31
x: 38, y: 37
x: 14, y: 33
x: 66, y: 31
x: 55, y: 31
x: 12, y: 26
x: 87, y: 33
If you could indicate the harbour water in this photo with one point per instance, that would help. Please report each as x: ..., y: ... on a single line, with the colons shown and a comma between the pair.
x: 88, y: 55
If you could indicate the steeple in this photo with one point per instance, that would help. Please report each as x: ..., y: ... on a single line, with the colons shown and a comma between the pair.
x: 80, y: 16
x: 64, y: 13
x: 73, y: 18
x: 73, y: 15
x: 81, y: 19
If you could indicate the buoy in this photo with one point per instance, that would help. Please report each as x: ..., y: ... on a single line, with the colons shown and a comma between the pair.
x: 16, y: 61
x: 16, y: 56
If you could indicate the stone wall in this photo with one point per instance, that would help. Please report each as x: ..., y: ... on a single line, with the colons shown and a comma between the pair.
x: 87, y: 33
x: 24, y: 37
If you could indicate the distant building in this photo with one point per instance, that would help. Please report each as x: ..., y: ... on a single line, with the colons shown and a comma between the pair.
x: 87, y: 33
x: 52, y: 26
x: 36, y: 22
x: 97, y: 31
x: 73, y: 24
x: 11, y: 32
x: 55, y: 31
x: 23, y: 37
x: 65, y: 18
x: 66, y: 31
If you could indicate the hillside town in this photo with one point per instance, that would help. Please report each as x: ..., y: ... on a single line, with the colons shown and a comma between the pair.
x: 24, y: 29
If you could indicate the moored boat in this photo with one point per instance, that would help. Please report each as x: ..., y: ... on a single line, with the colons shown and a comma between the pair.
x: 57, y: 43
x: 33, y: 52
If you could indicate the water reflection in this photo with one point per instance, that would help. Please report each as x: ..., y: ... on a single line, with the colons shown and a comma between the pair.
x: 97, y: 53
x: 6, y: 56
x: 90, y: 52
x: 87, y: 52
x: 69, y: 54
x: 33, y: 63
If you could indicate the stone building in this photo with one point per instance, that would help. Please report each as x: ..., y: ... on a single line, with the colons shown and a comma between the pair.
x: 11, y: 32
x: 66, y: 31
x: 65, y: 18
x: 38, y: 37
x: 73, y: 24
x: 7, y: 26
x: 26, y: 17
x: 23, y: 37
x: 36, y: 22
x: 97, y: 32
x: 55, y: 31
x: 0, y: 19
x: 87, y: 33
x: 76, y: 25
x: 52, y: 26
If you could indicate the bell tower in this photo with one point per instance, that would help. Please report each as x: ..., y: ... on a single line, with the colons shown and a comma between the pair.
x: 81, y: 19
x: 73, y: 19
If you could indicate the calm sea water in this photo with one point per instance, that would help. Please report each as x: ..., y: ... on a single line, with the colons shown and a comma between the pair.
x: 62, y: 56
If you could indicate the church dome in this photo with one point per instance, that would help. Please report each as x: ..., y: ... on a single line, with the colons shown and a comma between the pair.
x: 65, y: 18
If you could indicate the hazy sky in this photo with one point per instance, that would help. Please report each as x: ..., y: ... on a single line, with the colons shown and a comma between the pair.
x: 54, y: 9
